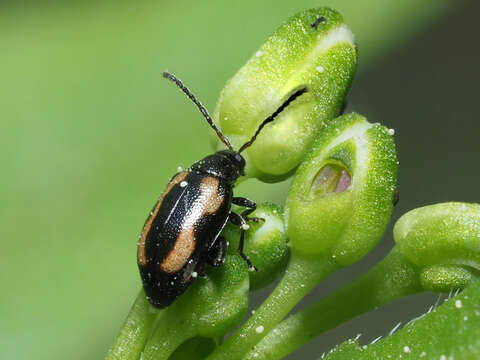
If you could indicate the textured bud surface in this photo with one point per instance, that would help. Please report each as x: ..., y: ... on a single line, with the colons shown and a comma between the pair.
x: 342, y: 195
x: 265, y: 244
x: 446, y: 234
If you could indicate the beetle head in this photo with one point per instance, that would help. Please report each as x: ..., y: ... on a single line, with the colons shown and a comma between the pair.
x: 226, y: 164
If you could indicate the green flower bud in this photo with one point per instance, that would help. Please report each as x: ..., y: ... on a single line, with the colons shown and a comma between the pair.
x: 265, y: 244
x: 342, y: 195
x: 444, y: 278
x: 443, y: 241
x: 337, y: 209
x: 313, y: 49
x: 217, y: 303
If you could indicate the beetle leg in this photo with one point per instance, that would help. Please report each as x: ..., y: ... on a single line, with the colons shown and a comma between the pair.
x: 216, y: 253
x: 250, y: 205
x: 238, y: 220
x: 251, y: 267
x: 201, y: 271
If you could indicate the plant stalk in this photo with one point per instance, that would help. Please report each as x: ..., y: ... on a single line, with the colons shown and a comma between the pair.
x: 394, y: 277
x: 301, y: 276
x: 133, y: 335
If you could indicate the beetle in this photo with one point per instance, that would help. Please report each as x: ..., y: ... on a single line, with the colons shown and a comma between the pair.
x: 182, y: 232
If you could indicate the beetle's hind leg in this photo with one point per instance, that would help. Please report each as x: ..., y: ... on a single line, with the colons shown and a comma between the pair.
x: 239, y: 221
x: 216, y: 253
x: 250, y: 205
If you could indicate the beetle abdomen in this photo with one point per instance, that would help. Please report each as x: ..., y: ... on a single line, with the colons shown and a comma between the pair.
x: 186, y: 220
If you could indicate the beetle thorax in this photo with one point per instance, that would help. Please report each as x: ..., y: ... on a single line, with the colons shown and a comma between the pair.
x: 226, y: 164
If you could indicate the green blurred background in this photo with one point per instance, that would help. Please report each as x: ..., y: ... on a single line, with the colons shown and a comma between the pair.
x: 90, y: 134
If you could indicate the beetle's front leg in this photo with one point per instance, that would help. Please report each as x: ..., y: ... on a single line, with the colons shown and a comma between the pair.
x: 250, y: 205
x: 216, y: 253
x: 239, y: 221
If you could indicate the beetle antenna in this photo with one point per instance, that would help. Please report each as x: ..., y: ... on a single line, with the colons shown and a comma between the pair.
x: 272, y: 117
x: 199, y: 105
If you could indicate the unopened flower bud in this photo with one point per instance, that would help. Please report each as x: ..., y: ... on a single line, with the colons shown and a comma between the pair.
x: 314, y: 50
x: 265, y: 244
x: 341, y: 197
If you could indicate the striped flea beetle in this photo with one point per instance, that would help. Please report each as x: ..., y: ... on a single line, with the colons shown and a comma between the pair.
x: 182, y: 232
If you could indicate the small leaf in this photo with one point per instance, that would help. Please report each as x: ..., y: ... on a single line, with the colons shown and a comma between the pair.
x: 452, y: 331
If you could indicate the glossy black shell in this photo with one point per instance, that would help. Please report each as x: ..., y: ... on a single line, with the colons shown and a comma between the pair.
x: 227, y: 165
x: 184, y: 225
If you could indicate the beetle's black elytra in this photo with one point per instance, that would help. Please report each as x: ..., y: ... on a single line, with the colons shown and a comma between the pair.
x: 208, y: 202
x: 182, y: 232
x: 141, y: 253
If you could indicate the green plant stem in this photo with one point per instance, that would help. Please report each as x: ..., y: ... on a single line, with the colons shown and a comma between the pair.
x: 171, y: 331
x: 392, y: 278
x: 197, y: 347
x: 133, y: 335
x: 301, y: 276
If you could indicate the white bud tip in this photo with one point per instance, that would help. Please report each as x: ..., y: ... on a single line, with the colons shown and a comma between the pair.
x: 259, y: 329
x: 245, y: 227
x: 183, y: 184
